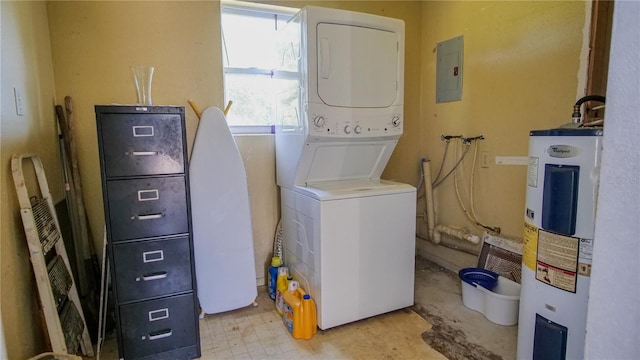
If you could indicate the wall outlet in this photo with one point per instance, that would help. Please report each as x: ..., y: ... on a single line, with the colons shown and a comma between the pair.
x: 484, y: 159
x: 18, y: 98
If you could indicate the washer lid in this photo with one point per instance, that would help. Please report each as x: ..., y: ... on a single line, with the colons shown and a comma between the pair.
x: 344, y: 189
x: 343, y: 160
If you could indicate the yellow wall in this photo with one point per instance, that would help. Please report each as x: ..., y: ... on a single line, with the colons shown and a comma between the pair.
x: 26, y: 65
x: 521, y: 69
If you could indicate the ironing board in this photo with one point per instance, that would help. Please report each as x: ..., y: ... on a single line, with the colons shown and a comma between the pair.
x: 221, y: 217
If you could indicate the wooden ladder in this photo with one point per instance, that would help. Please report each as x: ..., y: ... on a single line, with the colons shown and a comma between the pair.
x: 58, y: 294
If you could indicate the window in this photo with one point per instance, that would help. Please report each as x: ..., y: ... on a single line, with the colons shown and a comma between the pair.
x: 250, y: 55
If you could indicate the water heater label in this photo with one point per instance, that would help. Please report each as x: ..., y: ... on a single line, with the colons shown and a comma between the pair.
x: 529, y: 245
x: 561, y: 279
x: 584, y: 269
x: 533, y: 171
x: 563, y: 151
x: 557, y: 260
x: 586, y: 250
x: 586, y: 256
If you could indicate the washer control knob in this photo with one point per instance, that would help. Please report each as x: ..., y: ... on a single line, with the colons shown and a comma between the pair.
x: 357, y: 129
x: 347, y: 129
x: 318, y: 121
x: 395, y: 120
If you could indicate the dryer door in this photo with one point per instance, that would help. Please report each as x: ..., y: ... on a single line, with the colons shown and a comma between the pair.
x: 357, y: 66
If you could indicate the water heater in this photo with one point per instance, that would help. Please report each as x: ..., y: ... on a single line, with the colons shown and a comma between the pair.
x: 562, y: 189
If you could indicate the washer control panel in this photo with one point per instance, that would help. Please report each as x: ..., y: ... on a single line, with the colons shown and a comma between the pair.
x: 326, y: 125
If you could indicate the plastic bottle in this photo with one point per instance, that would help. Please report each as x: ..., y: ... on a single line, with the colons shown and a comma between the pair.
x: 291, y: 306
x: 281, y: 287
x: 273, y: 276
x: 299, y: 315
x: 309, y: 324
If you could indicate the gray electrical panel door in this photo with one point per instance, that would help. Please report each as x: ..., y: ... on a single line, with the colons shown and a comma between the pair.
x: 449, y: 70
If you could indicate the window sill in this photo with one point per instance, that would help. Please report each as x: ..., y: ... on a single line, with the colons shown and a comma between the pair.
x: 252, y: 129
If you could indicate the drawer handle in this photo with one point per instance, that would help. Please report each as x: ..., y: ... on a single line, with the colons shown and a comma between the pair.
x: 144, y: 153
x: 160, y: 334
x: 149, y: 217
x: 154, y: 276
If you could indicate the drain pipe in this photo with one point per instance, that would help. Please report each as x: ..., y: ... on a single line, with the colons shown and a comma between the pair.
x: 435, y: 232
x: 456, y: 232
x: 453, y: 246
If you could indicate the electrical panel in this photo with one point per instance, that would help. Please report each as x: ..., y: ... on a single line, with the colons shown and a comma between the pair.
x: 449, y: 70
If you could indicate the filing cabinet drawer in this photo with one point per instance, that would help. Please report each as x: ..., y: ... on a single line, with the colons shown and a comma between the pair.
x: 157, y: 326
x: 147, y: 269
x: 147, y: 207
x: 142, y: 144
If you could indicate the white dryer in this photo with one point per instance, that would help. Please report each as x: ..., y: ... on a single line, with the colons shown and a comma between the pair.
x: 349, y: 236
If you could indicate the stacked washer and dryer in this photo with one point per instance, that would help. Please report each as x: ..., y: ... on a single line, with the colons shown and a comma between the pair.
x: 349, y: 236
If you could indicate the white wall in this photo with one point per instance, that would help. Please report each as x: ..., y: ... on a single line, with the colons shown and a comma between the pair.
x: 613, y: 320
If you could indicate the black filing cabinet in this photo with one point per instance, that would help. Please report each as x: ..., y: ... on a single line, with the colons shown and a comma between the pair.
x: 145, y: 185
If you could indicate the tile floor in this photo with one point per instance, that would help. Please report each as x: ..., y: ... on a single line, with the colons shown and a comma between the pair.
x: 437, y: 327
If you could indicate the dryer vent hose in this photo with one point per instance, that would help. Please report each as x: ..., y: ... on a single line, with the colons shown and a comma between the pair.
x: 278, y: 251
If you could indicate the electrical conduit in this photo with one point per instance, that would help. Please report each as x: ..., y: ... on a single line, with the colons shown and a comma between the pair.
x: 430, y: 208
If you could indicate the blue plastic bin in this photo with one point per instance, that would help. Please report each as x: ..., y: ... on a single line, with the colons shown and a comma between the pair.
x: 485, y: 278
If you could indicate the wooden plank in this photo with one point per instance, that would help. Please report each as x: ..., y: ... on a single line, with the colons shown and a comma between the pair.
x: 81, y: 273
x: 600, y: 43
x: 85, y: 238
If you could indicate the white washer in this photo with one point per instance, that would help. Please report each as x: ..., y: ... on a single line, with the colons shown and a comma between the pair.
x: 352, y: 245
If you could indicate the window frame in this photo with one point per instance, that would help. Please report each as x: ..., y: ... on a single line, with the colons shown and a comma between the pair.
x: 259, y: 11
